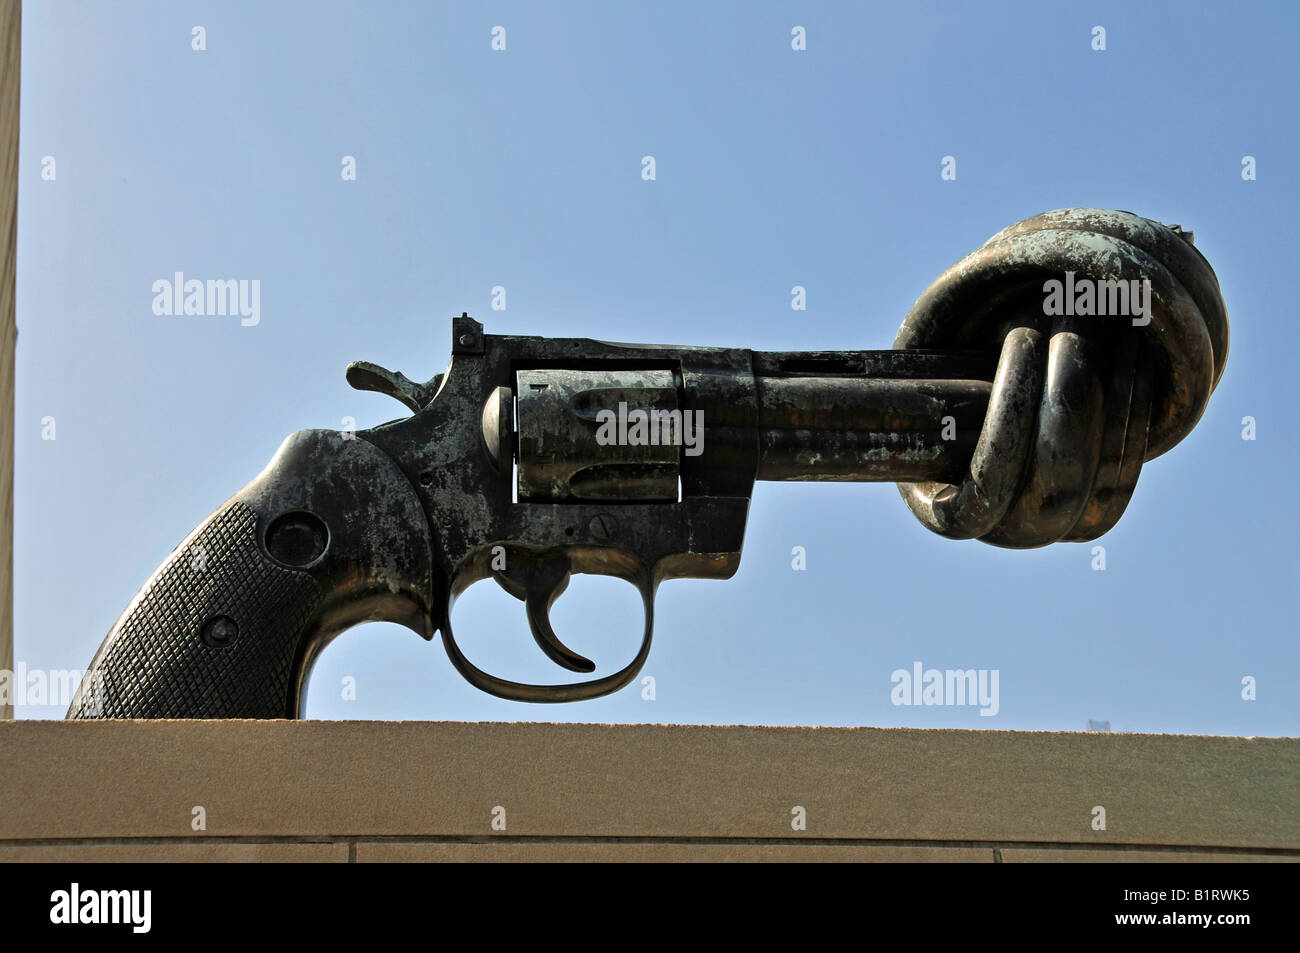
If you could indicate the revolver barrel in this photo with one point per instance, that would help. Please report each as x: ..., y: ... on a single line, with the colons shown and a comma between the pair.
x: 870, y: 416
x: 862, y: 430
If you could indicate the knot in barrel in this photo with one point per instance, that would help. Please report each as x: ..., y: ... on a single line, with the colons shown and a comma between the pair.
x: 1112, y: 335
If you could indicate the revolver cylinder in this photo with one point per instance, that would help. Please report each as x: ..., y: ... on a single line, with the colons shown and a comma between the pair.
x: 598, y: 435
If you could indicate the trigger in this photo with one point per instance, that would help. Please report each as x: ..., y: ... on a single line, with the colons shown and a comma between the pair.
x: 539, y: 621
x: 539, y: 583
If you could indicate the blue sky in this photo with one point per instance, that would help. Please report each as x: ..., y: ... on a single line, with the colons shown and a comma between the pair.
x: 775, y: 168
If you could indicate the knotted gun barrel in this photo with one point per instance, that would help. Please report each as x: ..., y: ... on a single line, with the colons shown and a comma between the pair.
x: 999, y: 419
x: 1025, y: 390
x: 1082, y: 398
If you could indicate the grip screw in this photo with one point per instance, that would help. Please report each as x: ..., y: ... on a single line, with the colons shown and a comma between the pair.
x: 219, y: 631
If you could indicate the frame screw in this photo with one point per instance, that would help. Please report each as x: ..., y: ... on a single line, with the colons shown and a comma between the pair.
x: 603, y: 526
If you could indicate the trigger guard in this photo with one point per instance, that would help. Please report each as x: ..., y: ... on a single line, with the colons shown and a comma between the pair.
x: 576, y: 691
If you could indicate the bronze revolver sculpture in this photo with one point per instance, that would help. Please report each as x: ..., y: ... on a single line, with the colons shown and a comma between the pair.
x: 1025, y: 390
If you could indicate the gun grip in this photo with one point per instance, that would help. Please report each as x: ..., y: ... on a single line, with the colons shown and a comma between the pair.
x: 330, y: 534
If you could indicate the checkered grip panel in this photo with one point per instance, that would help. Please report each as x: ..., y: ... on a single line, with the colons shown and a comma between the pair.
x: 156, y: 664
